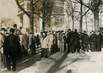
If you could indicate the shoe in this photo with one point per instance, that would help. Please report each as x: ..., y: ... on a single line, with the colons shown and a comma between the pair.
x: 13, y: 69
x: 9, y: 69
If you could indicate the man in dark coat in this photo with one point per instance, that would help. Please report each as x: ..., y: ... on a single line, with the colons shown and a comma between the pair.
x: 32, y: 44
x: 84, y: 41
x: 93, y: 41
x: 74, y: 42
x: 38, y: 43
x: 99, y: 42
x: 65, y: 43
x: 11, y: 44
x: 68, y: 38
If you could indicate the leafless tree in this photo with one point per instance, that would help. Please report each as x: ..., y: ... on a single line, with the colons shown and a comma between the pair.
x: 41, y: 8
x: 47, y: 8
x: 71, y: 9
x: 94, y: 6
x: 74, y: 9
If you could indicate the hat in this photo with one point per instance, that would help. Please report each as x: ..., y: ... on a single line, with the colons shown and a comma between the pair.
x: 12, y: 30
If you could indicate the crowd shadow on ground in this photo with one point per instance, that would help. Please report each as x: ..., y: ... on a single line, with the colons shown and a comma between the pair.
x: 57, y: 66
x: 27, y: 63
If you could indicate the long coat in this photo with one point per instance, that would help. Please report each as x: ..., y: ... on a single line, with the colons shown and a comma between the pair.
x: 99, y: 42
x: 11, y: 45
x: 2, y: 58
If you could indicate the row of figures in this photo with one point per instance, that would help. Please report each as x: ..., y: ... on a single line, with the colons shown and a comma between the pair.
x: 14, y: 44
x: 75, y: 41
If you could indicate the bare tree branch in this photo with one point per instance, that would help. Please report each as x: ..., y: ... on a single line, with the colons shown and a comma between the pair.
x: 86, y: 5
x: 86, y: 12
x: 17, y: 2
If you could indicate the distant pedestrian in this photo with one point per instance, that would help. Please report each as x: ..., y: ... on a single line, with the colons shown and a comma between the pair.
x: 24, y: 44
x: 99, y: 40
x: 84, y: 41
x: 60, y: 41
x: 65, y: 43
x: 74, y: 42
x: 2, y: 56
x: 38, y: 43
x: 68, y: 40
x: 93, y: 41
x: 17, y: 31
x: 32, y: 44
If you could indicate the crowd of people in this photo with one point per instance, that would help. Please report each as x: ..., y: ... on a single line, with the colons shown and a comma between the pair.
x: 14, y: 43
x: 82, y: 41
x: 72, y: 41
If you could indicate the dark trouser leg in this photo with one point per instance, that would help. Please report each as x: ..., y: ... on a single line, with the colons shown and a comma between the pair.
x: 78, y: 50
x: 98, y: 48
x: 68, y: 48
x: 65, y: 46
x: 13, y: 59
x: 72, y: 48
x: 8, y: 63
x: 83, y: 47
x: 92, y: 47
x: 77, y: 47
x: 95, y: 47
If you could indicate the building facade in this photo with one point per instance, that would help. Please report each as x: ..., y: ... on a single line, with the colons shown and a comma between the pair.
x: 24, y: 20
x: 57, y: 17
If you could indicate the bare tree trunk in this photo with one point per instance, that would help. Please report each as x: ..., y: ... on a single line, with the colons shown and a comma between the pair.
x: 96, y: 21
x: 30, y: 15
x: 44, y: 14
x: 43, y: 22
x: 86, y: 24
x: 72, y: 21
x: 81, y: 17
x: 43, y: 18
x: 32, y: 18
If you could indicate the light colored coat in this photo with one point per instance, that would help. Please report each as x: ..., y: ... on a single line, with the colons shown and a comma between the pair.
x: 2, y: 36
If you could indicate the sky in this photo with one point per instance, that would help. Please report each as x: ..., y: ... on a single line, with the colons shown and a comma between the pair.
x: 8, y: 8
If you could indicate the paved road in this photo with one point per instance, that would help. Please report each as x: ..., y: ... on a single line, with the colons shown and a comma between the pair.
x: 23, y: 64
x: 92, y: 64
x: 72, y: 63
x: 57, y: 63
x: 67, y: 63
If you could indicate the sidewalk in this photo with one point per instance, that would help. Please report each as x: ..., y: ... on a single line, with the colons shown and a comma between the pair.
x: 56, y: 62
x: 92, y: 64
x: 23, y: 63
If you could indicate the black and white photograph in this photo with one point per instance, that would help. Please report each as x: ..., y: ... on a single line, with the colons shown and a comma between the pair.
x: 51, y: 36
